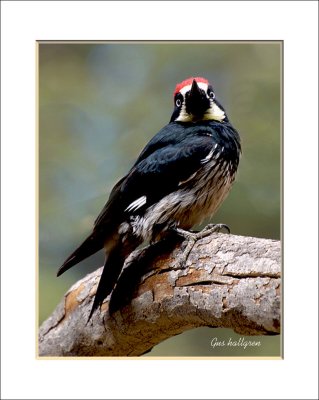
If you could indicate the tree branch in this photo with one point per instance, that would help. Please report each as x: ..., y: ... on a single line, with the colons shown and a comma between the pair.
x: 228, y: 281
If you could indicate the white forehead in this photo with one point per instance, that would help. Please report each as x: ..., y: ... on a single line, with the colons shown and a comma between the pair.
x: 201, y: 85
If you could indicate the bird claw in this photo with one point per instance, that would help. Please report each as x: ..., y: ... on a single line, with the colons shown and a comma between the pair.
x: 192, y: 238
x: 210, y: 228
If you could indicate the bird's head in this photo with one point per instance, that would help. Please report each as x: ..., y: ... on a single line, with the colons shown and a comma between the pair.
x: 194, y: 100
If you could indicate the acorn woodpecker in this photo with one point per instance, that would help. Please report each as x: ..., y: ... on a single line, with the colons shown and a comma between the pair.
x: 181, y: 177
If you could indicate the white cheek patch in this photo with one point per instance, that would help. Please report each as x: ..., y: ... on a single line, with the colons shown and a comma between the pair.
x: 214, y: 112
x: 183, y: 116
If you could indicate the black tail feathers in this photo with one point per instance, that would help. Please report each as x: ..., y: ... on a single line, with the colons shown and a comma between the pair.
x: 91, y: 245
x: 112, y: 268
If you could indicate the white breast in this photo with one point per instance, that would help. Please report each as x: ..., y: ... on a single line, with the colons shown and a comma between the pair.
x: 196, y: 199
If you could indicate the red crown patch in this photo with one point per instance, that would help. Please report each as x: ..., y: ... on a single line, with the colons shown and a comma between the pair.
x: 187, y: 82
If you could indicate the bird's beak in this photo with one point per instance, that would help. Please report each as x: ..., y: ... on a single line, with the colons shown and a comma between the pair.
x: 195, y: 93
x: 196, y: 102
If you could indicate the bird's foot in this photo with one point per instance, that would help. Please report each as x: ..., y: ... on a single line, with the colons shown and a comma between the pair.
x: 193, y: 237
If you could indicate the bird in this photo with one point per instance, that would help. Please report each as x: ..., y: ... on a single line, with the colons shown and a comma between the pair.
x: 180, y: 178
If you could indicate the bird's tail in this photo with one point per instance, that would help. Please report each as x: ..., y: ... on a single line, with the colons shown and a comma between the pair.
x: 91, y: 245
x: 112, y: 268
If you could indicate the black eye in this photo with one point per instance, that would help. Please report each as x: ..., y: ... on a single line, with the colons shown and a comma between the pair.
x: 211, y: 94
x: 178, y: 102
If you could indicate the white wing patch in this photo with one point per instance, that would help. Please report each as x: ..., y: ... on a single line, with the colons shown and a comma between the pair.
x: 136, y: 204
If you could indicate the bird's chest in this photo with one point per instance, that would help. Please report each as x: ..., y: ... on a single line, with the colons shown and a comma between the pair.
x: 196, y: 199
x: 205, y: 192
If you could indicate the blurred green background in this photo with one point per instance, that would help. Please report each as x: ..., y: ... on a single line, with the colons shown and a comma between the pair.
x: 100, y: 103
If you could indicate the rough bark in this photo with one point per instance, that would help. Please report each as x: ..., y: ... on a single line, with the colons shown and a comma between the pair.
x: 228, y: 281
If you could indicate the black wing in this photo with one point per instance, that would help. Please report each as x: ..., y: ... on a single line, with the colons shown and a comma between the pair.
x: 155, y: 176
x: 171, y: 134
